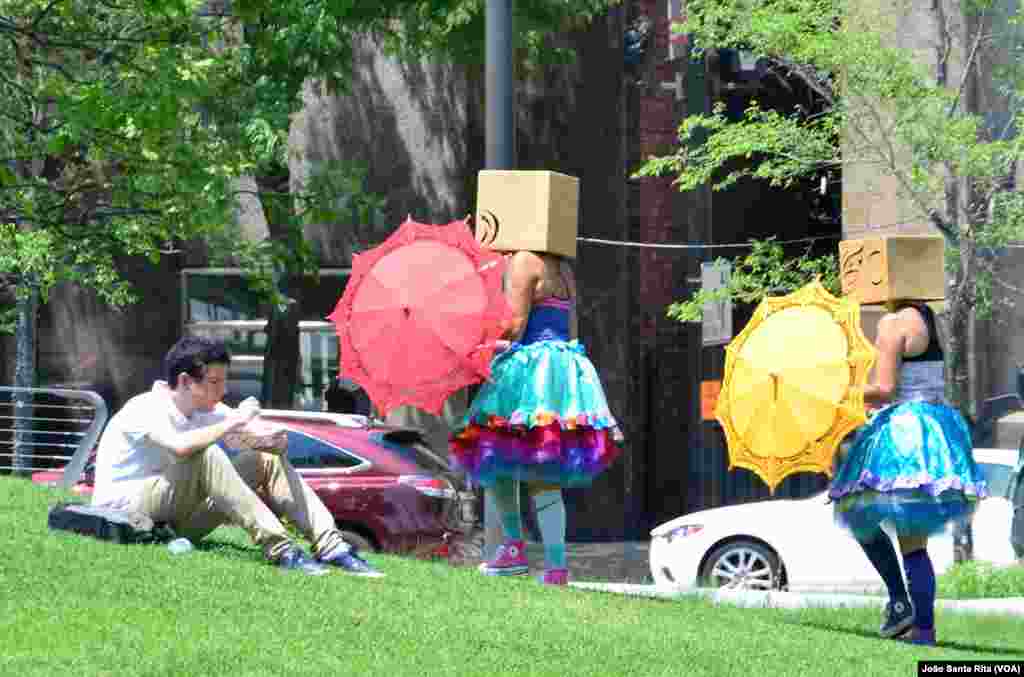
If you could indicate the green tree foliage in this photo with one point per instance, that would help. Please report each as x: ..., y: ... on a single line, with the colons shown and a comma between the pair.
x: 908, y: 116
x: 764, y: 270
x: 457, y: 28
x: 126, y: 124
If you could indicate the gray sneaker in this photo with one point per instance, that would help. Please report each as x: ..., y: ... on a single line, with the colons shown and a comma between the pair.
x: 899, y: 616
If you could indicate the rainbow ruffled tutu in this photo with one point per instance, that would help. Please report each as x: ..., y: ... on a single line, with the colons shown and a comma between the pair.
x: 541, y: 417
x: 910, y: 469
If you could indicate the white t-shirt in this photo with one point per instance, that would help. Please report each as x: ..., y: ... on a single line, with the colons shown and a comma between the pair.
x: 127, y: 456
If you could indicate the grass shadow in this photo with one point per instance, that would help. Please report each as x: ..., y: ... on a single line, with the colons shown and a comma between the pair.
x: 940, y: 644
x: 229, y: 549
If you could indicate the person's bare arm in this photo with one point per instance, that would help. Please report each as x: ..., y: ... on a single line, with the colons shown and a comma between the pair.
x: 186, y: 444
x: 524, y: 272
x: 891, y: 343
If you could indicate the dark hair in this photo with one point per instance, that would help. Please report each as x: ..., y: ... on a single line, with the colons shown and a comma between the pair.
x: 190, y: 355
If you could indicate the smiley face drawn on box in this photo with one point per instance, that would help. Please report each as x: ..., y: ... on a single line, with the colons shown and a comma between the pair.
x: 861, y: 264
x: 533, y: 210
x: 892, y: 267
x: 488, y: 228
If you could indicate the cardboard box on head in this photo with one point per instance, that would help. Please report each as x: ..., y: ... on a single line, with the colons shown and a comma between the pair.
x: 527, y: 210
x: 893, y: 268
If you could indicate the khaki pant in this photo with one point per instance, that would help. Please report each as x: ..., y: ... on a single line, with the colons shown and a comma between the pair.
x: 198, y: 494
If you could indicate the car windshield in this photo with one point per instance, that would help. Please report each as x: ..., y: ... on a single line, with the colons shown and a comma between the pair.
x: 997, y: 476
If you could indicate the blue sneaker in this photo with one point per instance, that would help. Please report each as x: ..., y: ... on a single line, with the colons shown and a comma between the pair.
x: 295, y: 559
x: 899, y: 616
x: 348, y: 561
x: 918, y: 636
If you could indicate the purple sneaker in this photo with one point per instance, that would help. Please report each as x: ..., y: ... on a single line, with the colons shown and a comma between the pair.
x: 510, y: 560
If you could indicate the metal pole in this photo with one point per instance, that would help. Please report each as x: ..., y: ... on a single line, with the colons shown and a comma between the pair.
x: 499, y: 86
x: 500, y: 154
x: 25, y: 376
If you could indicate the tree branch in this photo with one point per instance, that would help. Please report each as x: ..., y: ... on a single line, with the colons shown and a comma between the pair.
x: 967, y: 66
x: 890, y: 160
x: 42, y: 15
x: 57, y: 67
x: 808, y: 74
x: 945, y: 46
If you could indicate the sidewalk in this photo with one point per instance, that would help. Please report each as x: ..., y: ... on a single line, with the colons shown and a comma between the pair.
x: 622, y: 567
x: 1012, y: 606
x: 617, y: 562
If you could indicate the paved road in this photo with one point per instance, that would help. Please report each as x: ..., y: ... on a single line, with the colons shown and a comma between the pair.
x: 615, y: 562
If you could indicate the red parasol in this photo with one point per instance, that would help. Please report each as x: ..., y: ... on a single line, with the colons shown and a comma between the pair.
x: 419, y: 315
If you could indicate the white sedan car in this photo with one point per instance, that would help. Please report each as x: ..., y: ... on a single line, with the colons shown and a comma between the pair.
x: 796, y: 544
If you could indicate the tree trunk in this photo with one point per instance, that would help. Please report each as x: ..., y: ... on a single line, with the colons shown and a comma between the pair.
x: 281, y: 358
x: 956, y: 351
x: 958, y: 355
x: 25, y: 377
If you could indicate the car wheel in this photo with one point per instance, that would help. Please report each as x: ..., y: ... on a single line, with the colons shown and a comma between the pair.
x: 742, y: 565
x: 358, y: 541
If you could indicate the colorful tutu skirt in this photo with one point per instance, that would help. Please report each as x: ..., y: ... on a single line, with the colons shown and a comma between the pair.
x: 910, y: 469
x: 542, y: 417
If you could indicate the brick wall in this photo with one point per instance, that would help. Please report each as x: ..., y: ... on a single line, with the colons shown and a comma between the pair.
x: 653, y: 214
x: 666, y: 354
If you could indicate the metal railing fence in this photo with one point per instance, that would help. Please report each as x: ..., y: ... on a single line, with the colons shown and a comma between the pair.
x: 47, y: 428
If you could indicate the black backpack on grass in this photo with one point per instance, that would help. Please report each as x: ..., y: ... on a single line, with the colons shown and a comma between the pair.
x: 107, y: 524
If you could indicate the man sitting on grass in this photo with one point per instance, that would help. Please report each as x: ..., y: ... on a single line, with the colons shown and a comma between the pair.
x: 159, y: 456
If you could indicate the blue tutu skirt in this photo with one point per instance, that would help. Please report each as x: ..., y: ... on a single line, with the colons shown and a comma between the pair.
x: 910, y: 469
x: 542, y: 417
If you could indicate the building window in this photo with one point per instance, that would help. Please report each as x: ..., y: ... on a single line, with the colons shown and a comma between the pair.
x: 217, y: 302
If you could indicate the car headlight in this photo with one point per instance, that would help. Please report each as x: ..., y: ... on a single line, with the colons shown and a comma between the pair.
x: 683, y: 531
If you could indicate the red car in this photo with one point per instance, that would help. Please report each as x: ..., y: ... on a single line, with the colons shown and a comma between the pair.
x: 387, y: 490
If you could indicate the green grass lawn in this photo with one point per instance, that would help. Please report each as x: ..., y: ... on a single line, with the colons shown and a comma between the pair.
x: 72, y: 606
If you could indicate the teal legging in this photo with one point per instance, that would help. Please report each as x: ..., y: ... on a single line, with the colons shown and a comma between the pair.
x: 549, y: 507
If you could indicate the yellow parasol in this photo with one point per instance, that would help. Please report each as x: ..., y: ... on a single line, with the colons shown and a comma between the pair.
x: 793, y: 386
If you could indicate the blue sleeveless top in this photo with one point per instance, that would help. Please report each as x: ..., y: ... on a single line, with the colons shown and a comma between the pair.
x: 548, y: 321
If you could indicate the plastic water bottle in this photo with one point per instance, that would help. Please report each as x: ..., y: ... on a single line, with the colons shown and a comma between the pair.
x: 249, y: 403
x: 179, y: 546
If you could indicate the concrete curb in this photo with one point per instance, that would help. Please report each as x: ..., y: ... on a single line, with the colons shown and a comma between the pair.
x: 1013, y: 606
